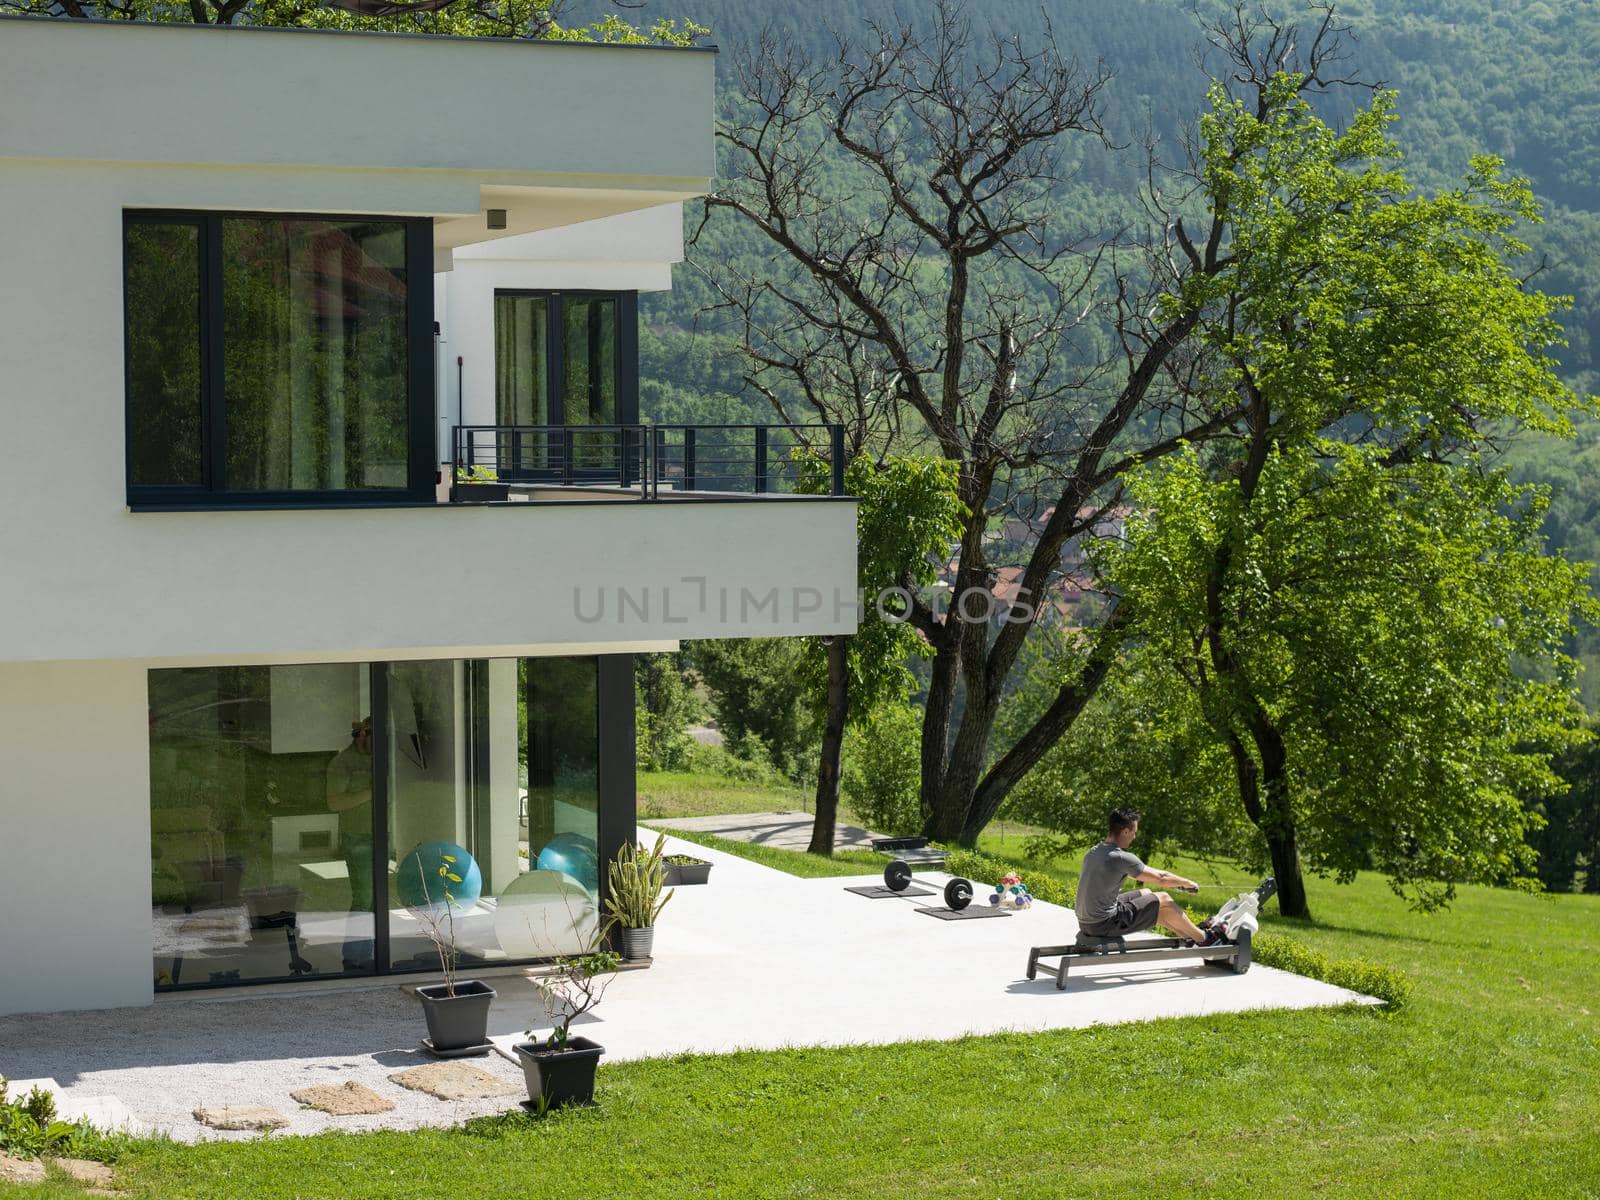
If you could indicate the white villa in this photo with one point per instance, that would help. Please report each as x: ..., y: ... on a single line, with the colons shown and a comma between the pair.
x: 330, y: 527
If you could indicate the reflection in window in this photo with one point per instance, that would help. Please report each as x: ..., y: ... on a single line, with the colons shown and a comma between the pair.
x: 589, y: 345
x: 269, y: 816
x: 521, y: 360
x: 163, y: 280
x: 513, y: 798
x: 269, y: 354
x: 260, y: 823
x: 314, y: 343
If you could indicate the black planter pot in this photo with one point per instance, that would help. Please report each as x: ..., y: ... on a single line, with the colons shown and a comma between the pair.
x: 684, y: 874
x: 459, y: 1022
x: 473, y: 492
x: 558, y: 1077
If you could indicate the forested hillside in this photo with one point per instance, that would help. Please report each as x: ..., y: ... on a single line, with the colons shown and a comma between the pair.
x: 1473, y: 76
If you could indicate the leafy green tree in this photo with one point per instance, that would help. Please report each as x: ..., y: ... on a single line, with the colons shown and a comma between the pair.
x: 881, y: 769
x: 1344, y: 587
x: 762, y: 697
x: 666, y: 705
x: 1568, y: 839
x: 1346, y: 633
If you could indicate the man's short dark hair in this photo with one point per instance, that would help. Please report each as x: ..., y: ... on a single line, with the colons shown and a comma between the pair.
x: 1123, y: 818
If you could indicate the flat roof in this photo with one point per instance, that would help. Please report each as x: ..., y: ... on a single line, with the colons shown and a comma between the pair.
x: 119, y: 23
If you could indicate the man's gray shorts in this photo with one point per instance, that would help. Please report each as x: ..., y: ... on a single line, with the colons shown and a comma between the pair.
x: 1136, y: 911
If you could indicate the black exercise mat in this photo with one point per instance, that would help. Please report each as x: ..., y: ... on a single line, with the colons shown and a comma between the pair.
x: 879, y: 892
x: 971, y: 913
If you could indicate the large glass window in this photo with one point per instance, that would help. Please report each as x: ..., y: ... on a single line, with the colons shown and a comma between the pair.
x: 299, y: 815
x: 261, y: 785
x: 275, y: 357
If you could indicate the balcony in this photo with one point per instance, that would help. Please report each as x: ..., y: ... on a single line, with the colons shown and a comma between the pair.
x: 565, y: 463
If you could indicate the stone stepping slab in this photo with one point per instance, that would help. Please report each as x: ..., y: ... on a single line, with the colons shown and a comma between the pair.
x: 454, y: 1081
x: 349, y: 1099
x: 255, y: 1117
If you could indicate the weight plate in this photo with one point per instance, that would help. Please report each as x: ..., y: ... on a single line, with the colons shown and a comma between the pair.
x: 897, y: 876
x: 958, y: 893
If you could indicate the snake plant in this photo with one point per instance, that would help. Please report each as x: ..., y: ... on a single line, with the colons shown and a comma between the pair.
x: 634, y: 879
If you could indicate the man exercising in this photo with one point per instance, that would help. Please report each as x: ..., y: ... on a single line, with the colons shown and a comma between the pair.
x: 1105, y: 910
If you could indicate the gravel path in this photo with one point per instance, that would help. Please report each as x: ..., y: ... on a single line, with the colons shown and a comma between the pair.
x: 165, y: 1061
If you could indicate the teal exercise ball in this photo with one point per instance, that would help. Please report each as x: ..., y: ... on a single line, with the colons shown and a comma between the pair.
x: 574, y: 856
x: 419, y: 884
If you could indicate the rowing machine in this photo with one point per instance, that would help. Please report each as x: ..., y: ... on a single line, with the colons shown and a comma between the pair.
x: 957, y: 893
x: 1233, y: 955
x: 1238, y: 918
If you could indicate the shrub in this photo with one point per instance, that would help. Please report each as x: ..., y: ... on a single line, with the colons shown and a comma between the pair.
x: 715, y: 760
x: 985, y: 868
x: 29, y: 1127
x: 1357, y: 974
x: 882, y: 769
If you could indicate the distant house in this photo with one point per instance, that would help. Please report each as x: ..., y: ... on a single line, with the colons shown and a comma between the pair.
x: 331, y: 528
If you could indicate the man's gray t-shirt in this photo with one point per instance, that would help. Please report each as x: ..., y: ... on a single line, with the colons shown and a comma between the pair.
x: 1104, y: 869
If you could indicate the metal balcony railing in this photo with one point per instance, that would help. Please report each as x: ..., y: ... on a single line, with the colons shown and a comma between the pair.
x: 653, y: 461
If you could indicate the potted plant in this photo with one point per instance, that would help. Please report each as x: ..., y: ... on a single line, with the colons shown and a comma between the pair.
x: 560, y: 1069
x: 457, y: 1010
x: 478, y: 483
x: 635, y: 878
x: 685, y: 869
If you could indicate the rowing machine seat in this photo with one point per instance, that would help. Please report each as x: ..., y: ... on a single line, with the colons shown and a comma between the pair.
x: 1099, y: 945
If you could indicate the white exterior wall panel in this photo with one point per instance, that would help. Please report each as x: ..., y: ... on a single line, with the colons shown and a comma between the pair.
x: 75, y: 818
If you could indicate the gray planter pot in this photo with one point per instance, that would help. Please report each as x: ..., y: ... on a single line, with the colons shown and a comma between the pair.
x: 637, y: 943
x: 558, y: 1077
x: 459, y: 1022
x: 685, y: 874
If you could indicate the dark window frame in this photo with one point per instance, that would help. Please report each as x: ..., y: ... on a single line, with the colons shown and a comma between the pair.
x: 625, y: 351
x: 212, y: 493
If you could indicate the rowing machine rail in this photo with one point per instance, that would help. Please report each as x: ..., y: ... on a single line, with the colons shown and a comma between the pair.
x: 1235, y: 955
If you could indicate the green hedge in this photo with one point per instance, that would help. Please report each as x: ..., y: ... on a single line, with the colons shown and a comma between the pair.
x: 986, y: 869
x: 1357, y: 974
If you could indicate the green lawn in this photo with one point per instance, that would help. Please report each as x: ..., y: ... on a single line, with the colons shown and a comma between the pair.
x: 1484, y: 1086
x: 692, y: 794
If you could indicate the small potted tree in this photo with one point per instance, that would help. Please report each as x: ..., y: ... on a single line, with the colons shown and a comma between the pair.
x: 560, y: 1069
x: 457, y: 1010
x: 635, y: 879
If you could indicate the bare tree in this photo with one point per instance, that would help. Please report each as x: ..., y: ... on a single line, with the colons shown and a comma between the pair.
x: 924, y: 295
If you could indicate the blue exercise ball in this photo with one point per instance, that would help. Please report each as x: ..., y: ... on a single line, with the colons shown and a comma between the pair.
x: 573, y: 855
x: 422, y: 879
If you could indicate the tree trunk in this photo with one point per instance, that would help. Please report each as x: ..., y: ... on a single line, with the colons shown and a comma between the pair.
x: 943, y: 676
x: 1285, y: 853
x: 1277, y: 823
x: 838, y: 706
x: 1265, y: 791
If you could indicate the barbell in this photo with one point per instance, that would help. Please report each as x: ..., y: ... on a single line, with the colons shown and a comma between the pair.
x: 957, y: 893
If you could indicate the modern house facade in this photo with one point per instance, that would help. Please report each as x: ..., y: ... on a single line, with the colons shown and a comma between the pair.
x: 330, y: 526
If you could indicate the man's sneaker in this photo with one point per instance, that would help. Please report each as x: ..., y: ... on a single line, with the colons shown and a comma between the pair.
x: 1215, y: 936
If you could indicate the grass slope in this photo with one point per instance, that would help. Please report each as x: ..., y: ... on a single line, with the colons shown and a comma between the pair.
x: 696, y: 794
x: 1483, y: 1087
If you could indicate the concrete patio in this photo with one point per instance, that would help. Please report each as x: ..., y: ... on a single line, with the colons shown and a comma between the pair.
x: 755, y: 959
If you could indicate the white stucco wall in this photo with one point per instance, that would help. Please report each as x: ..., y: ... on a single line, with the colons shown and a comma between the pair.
x: 83, y: 578
x: 628, y: 252
x: 75, y: 826
x: 142, y: 93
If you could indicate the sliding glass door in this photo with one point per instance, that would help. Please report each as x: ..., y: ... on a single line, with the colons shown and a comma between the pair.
x: 261, y: 823
x: 564, y: 361
x: 299, y: 814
